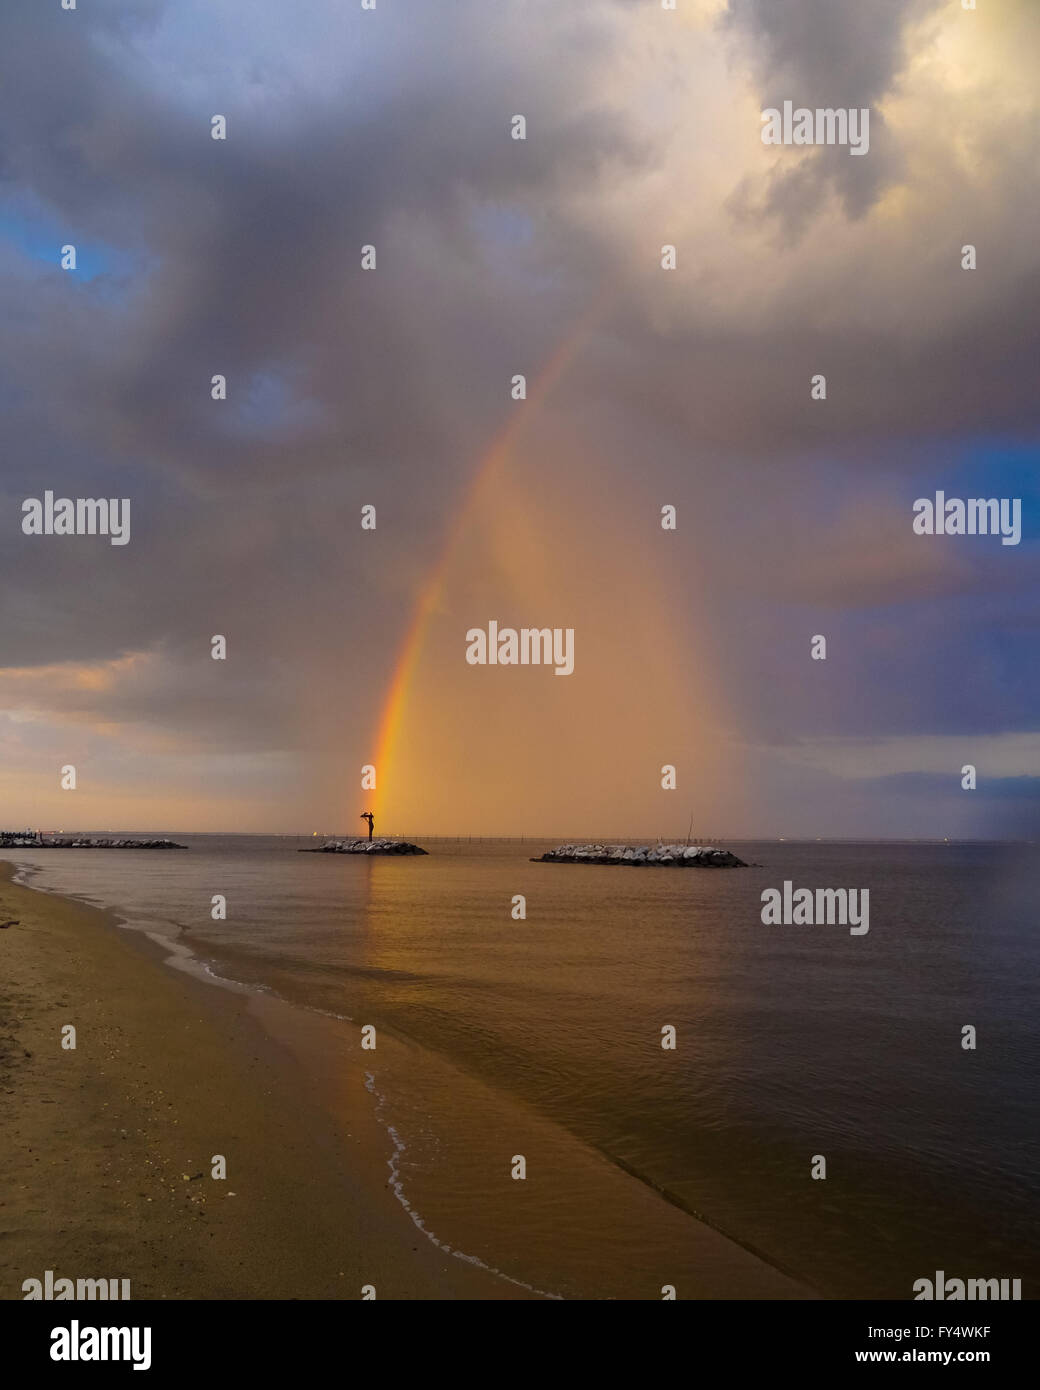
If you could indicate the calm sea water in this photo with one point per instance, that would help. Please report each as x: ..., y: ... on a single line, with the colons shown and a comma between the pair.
x: 792, y: 1041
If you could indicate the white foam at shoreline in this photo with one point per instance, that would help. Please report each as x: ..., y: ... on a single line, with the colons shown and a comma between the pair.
x: 397, y: 1183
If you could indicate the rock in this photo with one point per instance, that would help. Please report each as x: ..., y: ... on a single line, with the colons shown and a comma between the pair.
x: 682, y: 856
x: 377, y: 845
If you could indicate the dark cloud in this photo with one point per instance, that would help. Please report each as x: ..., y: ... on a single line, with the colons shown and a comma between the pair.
x: 243, y: 258
x: 819, y: 54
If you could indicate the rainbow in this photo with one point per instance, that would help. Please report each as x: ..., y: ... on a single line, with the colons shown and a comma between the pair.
x: 395, y: 705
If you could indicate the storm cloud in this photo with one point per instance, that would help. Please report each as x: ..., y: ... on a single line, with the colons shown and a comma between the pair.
x: 347, y: 387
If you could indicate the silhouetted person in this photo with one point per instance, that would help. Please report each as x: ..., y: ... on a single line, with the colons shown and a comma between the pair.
x: 367, y: 815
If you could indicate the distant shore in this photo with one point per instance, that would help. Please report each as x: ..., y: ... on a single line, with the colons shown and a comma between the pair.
x: 16, y: 841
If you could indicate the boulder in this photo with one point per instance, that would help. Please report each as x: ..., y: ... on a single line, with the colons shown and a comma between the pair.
x: 377, y: 845
x: 682, y: 856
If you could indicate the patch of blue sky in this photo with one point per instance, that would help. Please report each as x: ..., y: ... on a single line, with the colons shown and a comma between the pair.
x: 272, y: 406
x: 507, y: 238
x: 998, y: 468
x: 969, y: 467
x: 40, y: 235
x: 503, y: 226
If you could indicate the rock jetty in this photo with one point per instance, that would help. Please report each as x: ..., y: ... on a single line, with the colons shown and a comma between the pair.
x: 681, y: 856
x: 15, y: 841
x: 375, y: 846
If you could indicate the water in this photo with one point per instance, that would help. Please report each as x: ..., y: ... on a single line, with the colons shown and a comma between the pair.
x: 792, y: 1041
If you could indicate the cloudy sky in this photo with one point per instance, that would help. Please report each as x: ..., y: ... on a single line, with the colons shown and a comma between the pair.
x: 392, y: 388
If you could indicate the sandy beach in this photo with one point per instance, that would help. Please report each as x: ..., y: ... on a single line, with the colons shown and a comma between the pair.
x: 167, y: 1072
x: 107, y: 1149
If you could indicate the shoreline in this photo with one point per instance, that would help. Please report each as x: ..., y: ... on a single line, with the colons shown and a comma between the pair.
x: 167, y: 1072
x: 107, y: 1151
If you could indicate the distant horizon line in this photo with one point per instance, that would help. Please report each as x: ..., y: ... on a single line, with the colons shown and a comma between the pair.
x: 566, y: 839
